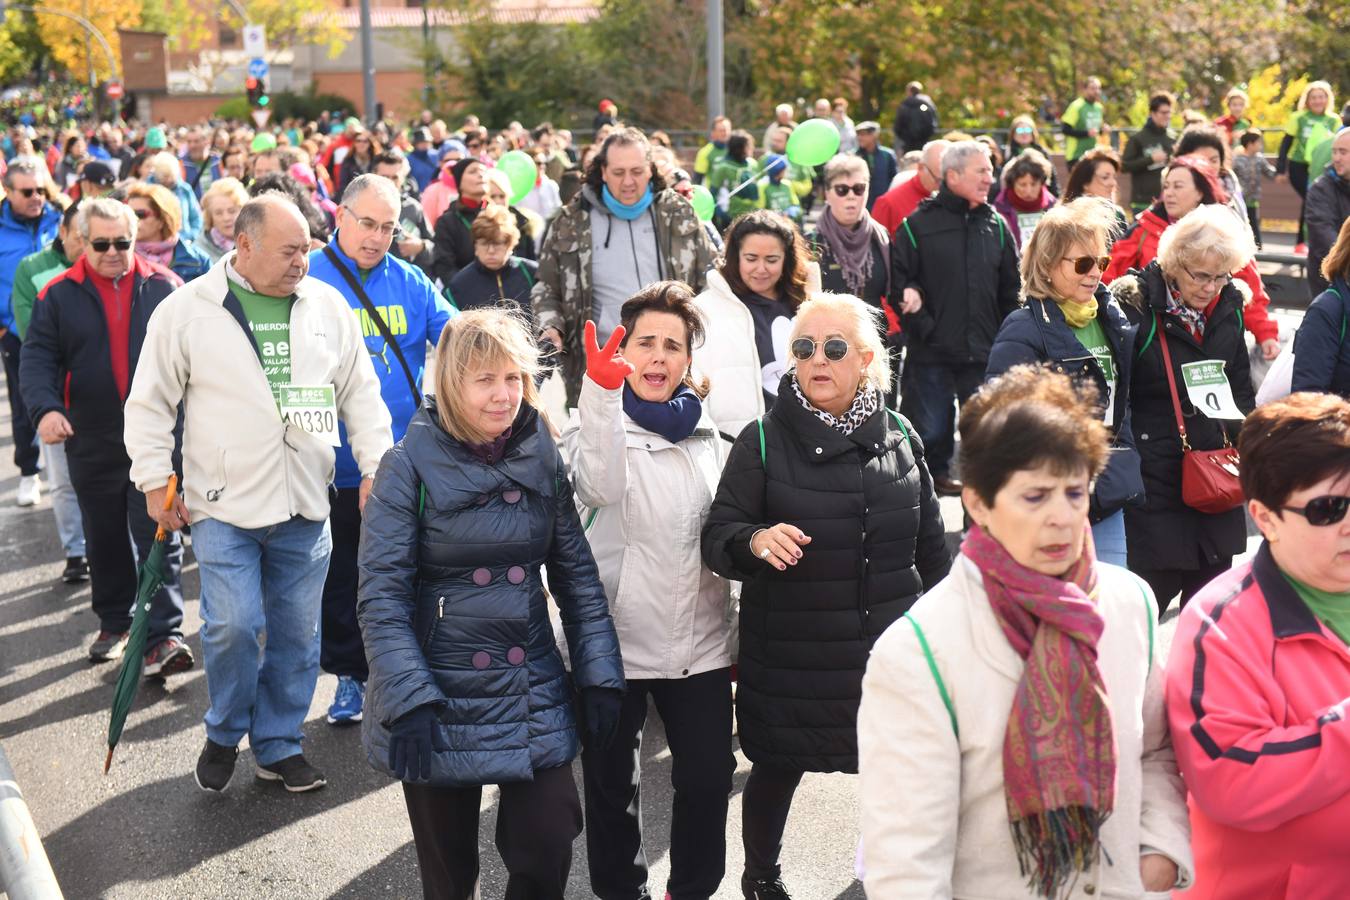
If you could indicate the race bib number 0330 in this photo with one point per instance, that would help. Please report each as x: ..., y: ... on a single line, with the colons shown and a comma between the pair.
x: 311, y: 409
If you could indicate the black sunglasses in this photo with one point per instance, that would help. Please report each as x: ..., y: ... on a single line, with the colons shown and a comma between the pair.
x: 805, y: 348
x: 1083, y: 264
x: 1322, y: 511
x: 143, y: 213
x: 27, y: 192
x: 101, y: 245
x: 841, y: 190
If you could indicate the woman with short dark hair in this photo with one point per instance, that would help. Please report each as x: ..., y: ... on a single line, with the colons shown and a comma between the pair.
x: 1260, y: 671
x: 1025, y: 195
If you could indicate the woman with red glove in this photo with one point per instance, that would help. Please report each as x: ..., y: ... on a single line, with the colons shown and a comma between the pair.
x: 645, y: 463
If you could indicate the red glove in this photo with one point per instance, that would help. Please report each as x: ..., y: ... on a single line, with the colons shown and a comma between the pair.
x: 605, y: 366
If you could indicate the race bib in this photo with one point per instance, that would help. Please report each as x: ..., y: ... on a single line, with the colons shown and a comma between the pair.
x: 1026, y: 224
x: 1209, y: 390
x: 312, y: 409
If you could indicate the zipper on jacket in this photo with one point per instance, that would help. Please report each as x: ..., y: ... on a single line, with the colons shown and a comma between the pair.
x: 431, y: 632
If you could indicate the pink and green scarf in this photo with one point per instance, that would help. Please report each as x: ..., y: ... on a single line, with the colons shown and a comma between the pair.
x: 1059, y: 758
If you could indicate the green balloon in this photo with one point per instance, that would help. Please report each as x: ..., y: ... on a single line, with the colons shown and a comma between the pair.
x: 1319, y: 151
x: 704, y: 204
x: 813, y: 142
x: 520, y: 169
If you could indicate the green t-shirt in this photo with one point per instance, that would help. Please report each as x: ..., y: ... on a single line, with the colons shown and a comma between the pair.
x: 709, y: 155
x: 269, y: 318
x: 1303, y: 126
x: 728, y: 175
x: 1332, y: 610
x: 780, y: 197
x: 1093, y: 339
x: 1083, y: 116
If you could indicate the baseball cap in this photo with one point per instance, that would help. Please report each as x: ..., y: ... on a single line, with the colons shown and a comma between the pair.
x: 98, y: 173
x: 869, y: 125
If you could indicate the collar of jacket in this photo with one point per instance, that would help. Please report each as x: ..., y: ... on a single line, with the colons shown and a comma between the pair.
x: 947, y: 200
x: 873, y: 436
x: 49, y: 216
x: 1289, y: 615
x: 521, y: 460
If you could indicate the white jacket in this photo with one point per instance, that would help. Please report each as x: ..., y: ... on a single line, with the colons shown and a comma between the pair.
x: 644, y: 501
x: 934, y: 817
x: 241, y: 463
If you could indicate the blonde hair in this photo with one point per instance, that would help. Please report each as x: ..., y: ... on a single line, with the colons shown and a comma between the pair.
x: 1318, y: 86
x: 865, y: 324
x: 163, y: 202
x: 1210, y: 230
x: 230, y: 188
x: 1089, y: 221
x: 471, y: 342
x: 166, y: 169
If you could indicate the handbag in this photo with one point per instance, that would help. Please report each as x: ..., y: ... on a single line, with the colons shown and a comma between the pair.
x: 1209, y: 478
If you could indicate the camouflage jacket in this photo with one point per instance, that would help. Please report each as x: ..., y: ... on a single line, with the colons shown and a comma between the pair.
x: 561, y: 297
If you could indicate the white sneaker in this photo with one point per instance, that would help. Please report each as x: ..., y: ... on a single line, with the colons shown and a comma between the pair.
x: 30, y: 490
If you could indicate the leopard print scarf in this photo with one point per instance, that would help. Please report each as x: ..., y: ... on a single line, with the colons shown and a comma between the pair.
x: 865, y: 403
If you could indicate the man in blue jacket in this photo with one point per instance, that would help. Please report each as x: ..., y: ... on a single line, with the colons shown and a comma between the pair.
x: 412, y: 312
x: 880, y: 161
x: 27, y: 224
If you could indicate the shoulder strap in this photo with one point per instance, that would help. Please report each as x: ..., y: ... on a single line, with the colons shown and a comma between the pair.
x: 421, y: 499
x: 1002, y: 233
x: 1148, y: 614
x: 912, y: 242
x: 763, y: 457
x: 355, y: 284
x: 933, y: 669
x: 1152, y: 330
x: 1343, y: 313
x: 525, y: 270
x: 1172, y: 387
x: 899, y: 420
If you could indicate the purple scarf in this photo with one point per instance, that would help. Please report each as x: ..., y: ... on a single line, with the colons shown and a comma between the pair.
x: 852, y: 248
x: 158, y: 252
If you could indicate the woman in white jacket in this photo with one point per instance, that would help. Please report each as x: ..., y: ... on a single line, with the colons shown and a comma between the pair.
x: 1012, y: 736
x: 645, y: 463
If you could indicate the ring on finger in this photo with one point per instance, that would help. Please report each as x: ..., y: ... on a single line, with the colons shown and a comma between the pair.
x: 765, y: 553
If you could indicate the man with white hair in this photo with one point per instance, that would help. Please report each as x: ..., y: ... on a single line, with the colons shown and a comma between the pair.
x: 81, y: 350
x: 1327, y: 208
x: 401, y: 313
x: 953, y: 280
x: 782, y: 118
x: 896, y: 204
x: 263, y: 361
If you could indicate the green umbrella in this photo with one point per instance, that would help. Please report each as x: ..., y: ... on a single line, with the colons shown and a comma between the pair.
x: 151, y: 579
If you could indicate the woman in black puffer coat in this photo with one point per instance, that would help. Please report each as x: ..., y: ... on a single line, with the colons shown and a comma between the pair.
x: 466, y: 684
x: 831, y: 523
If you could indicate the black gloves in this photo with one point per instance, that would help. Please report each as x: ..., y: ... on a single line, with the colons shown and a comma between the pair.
x: 412, y: 738
x: 600, y: 709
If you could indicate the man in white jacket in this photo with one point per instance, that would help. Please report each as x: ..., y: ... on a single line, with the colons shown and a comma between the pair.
x: 264, y: 361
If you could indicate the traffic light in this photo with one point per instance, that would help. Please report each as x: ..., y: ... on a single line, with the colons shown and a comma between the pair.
x: 257, y: 92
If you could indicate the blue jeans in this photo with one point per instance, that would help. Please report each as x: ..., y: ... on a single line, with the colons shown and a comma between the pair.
x: 256, y: 582
x: 65, y: 505
x: 1109, y: 537
x: 929, y: 393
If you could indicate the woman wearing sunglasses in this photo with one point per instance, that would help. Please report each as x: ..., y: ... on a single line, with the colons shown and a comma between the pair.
x: 1187, y: 310
x: 1022, y: 136
x: 1260, y: 672
x: 1070, y: 322
x: 158, y: 236
x: 853, y: 249
x: 826, y: 514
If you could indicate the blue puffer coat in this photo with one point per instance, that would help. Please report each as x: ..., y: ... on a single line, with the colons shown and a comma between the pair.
x: 452, y: 606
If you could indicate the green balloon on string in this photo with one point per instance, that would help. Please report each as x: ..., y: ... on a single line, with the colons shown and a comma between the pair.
x: 813, y: 142
x: 521, y: 171
x: 704, y: 204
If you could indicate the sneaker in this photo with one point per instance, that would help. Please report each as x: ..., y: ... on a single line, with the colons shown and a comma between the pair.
x: 763, y: 888
x: 347, y: 703
x: 296, y: 774
x: 108, y: 646
x: 168, y: 657
x: 215, y: 767
x: 76, y: 571
x: 1300, y: 249
x: 30, y: 490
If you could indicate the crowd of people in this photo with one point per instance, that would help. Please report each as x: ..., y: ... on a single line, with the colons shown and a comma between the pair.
x: 741, y: 502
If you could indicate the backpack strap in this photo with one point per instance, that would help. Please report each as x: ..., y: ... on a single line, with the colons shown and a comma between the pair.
x: 1002, y: 229
x: 1152, y: 332
x: 421, y: 499
x: 933, y: 669
x: 525, y: 270
x: 1148, y: 614
x: 901, y: 422
x: 913, y: 243
x: 763, y: 457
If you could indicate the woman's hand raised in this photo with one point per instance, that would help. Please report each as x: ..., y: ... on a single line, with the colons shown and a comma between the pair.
x: 779, y: 546
x: 604, y: 365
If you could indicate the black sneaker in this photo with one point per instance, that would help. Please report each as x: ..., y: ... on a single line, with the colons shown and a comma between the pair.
x: 763, y: 888
x: 293, y: 772
x: 76, y: 571
x: 215, y: 766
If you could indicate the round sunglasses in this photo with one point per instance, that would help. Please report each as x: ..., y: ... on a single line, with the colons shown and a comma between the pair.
x: 842, y: 190
x: 1321, y: 511
x: 1083, y: 264
x: 804, y: 348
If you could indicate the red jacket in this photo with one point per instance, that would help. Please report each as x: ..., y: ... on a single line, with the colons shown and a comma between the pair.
x: 1257, y: 693
x: 1139, y: 247
x: 895, y: 205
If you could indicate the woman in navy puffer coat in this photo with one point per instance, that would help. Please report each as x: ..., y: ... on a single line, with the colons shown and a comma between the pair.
x: 466, y: 684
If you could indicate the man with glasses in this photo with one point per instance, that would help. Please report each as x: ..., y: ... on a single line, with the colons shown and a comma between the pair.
x: 894, y: 206
x: 82, y: 350
x: 27, y: 224
x: 401, y: 314
x: 263, y: 362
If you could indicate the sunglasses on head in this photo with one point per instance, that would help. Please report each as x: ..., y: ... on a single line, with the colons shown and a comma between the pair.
x: 1322, y: 510
x: 102, y: 245
x: 805, y: 348
x: 27, y: 192
x: 1083, y: 264
x: 842, y: 190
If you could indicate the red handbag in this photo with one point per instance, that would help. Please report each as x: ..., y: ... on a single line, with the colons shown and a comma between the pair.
x: 1209, y: 478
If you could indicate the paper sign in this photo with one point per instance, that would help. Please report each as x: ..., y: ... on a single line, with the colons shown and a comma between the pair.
x: 313, y: 410
x: 1209, y: 390
x: 255, y: 40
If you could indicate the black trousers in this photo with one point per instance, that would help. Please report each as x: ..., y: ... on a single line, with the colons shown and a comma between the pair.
x: 26, y: 451
x: 1298, y: 180
x: 1167, y: 583
x: 765, y: 805
x: 1254, y: 220
x: 341, y: 650
x: 697, y: 715
x: 536, y: 824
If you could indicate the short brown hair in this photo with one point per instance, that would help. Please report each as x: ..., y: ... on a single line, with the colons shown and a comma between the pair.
x: 1085, y: 170
x: 1293, y: 443
x: 1026, y: 418
x: 673, y: 298
x: 1337, y: 263
x: 162, y: 201
x: 495, y: 225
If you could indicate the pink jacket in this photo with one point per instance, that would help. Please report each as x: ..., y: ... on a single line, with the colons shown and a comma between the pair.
x: 1256, y: 700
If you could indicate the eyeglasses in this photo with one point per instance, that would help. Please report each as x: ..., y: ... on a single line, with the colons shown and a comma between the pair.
x: 842, y: 190
x: 1083, y: 264
x: 102, y: 245
x: 1204, y: 278
x: 1322, y: 511
x: 385, y: 228
x: 143, y: 213
x: 805, y: 348
x: 27, y: 192
x: 1022, y: 130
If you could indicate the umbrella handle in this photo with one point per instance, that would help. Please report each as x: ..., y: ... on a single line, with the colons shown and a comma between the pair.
x: 170, y: 492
